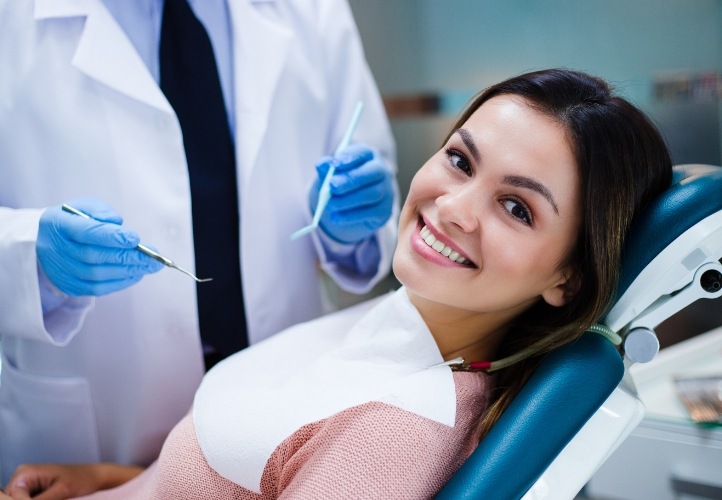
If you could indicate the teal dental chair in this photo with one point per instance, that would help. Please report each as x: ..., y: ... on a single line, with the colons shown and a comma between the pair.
x: 580, y: 404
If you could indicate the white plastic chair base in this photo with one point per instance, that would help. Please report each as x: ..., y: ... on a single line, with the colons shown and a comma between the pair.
x: 594, y: 442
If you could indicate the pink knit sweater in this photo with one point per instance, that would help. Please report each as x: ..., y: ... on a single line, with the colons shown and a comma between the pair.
x: 373, y: 450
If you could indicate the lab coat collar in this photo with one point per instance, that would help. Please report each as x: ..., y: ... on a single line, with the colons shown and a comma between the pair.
x: 260, y: 48
x: 104, y: 52
x: 47, y: 9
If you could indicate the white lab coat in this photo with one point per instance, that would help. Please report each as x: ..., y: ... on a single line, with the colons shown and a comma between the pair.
x: 80, y: 114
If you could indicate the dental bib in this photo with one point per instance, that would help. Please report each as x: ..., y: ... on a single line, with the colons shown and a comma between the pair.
x: 380, y: 351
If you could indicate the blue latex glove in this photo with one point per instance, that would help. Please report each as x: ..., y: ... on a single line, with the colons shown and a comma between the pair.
x: 90, y: 257
x: 362, y: 194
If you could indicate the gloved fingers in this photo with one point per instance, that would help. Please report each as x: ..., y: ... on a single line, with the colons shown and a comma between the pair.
x: 353, y: 226
x: 73, y: 269
x: 369, y: 196
x: 101, y: 234
x: 78, y: 254
x: 84, y: 256
x: 101, y: 265
x: 97, y: 209
x: 92, y: 279
x: 58, y: 224
x: 323, y: 165
x: 368, y: 174
x: 353, y: 156
x: 97, y: 255
x: 367, y: 217
x: 348, y: 159
x: 356, y: 224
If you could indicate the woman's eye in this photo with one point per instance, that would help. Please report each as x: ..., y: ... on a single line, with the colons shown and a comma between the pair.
x: 517, y: 209
x: 458, y: 160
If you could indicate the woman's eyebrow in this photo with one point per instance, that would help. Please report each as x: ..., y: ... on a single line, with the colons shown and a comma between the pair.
x: 512, y: 180
x: 469, y: 142
x: 527, y: 183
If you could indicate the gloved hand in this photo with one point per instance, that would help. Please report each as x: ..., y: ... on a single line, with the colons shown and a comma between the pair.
x: 90, y: 256
x: 362, y: 194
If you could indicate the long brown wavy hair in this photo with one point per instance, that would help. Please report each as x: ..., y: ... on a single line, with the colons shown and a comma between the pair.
x: 623, y: 163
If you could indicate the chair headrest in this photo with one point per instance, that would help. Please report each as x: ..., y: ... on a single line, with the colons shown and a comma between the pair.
x: 677, y: 235
x: 695, y: 194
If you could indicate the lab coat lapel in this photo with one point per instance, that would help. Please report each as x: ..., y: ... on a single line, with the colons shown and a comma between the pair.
x: 104, y: 52
x: 260, y: 49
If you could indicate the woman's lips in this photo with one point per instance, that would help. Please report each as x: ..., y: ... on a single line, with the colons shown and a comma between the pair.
x: 440, y: 247
x: 428, y: 245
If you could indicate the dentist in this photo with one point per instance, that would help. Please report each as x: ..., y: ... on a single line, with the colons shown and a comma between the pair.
x: 101, y: 353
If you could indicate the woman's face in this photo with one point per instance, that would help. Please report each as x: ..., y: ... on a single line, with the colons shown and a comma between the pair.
x: 490, y: 218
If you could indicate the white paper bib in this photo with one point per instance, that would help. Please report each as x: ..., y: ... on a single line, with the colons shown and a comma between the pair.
x: 381, y: 351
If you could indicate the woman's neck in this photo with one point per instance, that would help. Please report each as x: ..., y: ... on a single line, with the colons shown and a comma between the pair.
x: 459, y: 332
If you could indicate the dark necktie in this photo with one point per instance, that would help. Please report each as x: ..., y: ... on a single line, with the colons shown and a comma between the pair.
x: 190, y: 81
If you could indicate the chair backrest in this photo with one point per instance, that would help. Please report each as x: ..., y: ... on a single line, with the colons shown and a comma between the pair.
x: 539, y: 422
x: 676, y: 241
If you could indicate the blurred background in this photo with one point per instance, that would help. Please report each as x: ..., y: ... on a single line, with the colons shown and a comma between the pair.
x: 664, y: 55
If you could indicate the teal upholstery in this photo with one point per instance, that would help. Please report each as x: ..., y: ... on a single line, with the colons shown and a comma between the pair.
x: 539, y: 423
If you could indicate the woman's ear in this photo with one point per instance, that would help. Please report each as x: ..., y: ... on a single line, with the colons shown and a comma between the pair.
x: 563, y: 291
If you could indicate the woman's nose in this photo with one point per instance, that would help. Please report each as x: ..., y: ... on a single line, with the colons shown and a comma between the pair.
x: 460, y: 208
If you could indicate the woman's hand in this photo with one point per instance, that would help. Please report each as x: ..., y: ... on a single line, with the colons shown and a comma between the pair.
x: 57, y: 482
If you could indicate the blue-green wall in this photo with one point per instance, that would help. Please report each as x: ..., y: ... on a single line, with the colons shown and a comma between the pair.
x: 464, y: 45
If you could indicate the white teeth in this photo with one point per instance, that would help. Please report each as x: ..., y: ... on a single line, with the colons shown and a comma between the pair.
x: 444, y: 250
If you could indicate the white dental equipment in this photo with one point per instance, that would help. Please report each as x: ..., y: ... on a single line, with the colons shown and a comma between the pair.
x: 151, y: 253
x: 324, y: 194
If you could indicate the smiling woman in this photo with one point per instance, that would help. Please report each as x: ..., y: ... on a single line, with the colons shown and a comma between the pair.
x: 503, y: 193
x: 620, y: 162
x: 507, y: 248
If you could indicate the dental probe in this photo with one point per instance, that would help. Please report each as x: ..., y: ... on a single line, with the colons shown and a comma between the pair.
x: 150, y: 253
x: 324, y: 194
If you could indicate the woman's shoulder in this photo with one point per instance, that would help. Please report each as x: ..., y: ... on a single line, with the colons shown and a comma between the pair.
x: 378, y: 421
x: 381, y: 449
x: 473, y: 388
